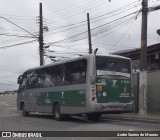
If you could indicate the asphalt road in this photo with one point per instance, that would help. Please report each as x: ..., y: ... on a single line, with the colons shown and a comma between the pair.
x: 12, y: 120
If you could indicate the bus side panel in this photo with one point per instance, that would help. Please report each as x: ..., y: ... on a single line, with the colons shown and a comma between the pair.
x: 27, y: 97
x: 73, y: 96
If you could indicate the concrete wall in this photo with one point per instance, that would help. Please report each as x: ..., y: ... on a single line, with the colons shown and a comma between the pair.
x: 136, y: 90
x: 153, y: 91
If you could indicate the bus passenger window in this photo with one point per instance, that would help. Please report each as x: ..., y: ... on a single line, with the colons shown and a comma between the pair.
x: 48, y: 82
x: 75, y: 72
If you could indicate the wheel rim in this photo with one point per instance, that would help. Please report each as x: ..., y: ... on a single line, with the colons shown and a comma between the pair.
x: 24, y: 108
x: 57, y: 112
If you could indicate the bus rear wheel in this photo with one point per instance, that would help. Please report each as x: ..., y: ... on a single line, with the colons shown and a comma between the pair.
x: 94, y: 116
x: 57, y: 113
x: 24, y: 112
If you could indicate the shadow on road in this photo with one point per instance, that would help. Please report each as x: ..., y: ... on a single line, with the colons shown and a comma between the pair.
x: 76, y: 119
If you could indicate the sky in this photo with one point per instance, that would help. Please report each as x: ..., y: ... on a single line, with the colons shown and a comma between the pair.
x: 115, y: 26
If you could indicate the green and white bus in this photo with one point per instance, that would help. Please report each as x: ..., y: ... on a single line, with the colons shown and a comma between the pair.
x: 91, y: 84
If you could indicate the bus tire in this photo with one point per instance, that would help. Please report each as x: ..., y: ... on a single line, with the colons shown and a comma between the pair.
x: 24, y: 112
x: 57, y: 113
x: 94, y: 117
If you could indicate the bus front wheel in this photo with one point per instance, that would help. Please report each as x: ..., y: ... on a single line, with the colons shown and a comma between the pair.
x: 57, y: 113
x: 24, y: 112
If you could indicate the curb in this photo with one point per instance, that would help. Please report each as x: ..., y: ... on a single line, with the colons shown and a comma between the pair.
x: 133, y: 119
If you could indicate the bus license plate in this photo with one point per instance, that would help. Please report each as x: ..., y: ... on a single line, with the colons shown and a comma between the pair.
x: 113, y: 108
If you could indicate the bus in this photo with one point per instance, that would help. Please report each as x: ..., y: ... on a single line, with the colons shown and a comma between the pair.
x: 91, y: 85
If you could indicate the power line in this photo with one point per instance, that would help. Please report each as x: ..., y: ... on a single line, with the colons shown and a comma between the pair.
x: 60, y: 27
x: 17, y: 16
x: 13, y: 40
x: 65, y: 26
x: 5, y: 34
x: 62, y: 30
x: 17, y: 26
x: 5, y: 47
x: 113, y: 30
x: 115, y: 11
x: 93, y: 28
x: 122, y: 36
x: 124, y: 9
x: 71, y: 8
x: 77, y: 12
x: 96, y: 6
x: 110, y: 13
x: 116, y: 20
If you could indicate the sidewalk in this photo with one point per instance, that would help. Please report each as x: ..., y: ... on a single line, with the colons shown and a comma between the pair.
x: 153, y: 117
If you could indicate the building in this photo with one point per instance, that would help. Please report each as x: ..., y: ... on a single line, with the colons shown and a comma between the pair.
x: 153, y: 78
x: 8, y: 92
x: 153, y: 57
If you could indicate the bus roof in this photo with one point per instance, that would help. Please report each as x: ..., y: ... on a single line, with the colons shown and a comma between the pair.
x: 74, y: 59
x: 112, y: 55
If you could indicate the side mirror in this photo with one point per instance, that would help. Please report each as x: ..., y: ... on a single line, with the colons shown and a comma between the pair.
x: 20, y: 79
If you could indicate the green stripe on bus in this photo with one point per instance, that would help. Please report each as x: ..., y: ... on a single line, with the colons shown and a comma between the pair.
x: 74, y: 98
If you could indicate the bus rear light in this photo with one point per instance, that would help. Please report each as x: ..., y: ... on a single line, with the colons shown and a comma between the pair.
x: 93, y: 94
x: 93, y: 90
x: 93, y: 98
x: 93, y: 87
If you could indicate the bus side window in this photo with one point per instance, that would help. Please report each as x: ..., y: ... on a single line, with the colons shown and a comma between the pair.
x: 124, y: 67
x: 53, y: 76
x: 75, y: 72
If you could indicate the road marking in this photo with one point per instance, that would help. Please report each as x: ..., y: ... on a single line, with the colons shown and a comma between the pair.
x: 4, y: 104
x: 8, y: 103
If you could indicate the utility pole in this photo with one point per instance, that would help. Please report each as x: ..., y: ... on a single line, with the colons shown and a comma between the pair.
x: 89, y: 34
x: 143, y: 50
x: 41, y: 51
x: 143, y: 62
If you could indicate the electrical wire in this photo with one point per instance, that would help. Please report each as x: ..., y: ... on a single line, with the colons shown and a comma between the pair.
x: 17, y: 26
x: 71, y: 10
x: 116, y: 10
x: 5, y: 34
x: 92, y: 29
x: 108, y: 13
x: 9, y: 46
x: 60, y: 28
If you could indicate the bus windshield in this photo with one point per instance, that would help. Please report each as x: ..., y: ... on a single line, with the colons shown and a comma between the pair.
x: 113, y: 66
